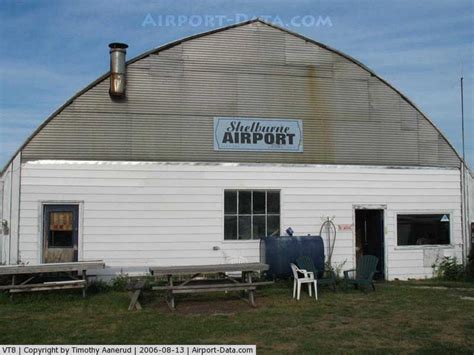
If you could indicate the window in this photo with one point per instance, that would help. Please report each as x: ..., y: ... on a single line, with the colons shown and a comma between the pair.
x: 60, y: 230
x: 423, y: 229
x: 251, y: 214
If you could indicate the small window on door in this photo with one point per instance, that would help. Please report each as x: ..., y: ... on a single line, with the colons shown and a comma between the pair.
x: 61, y: 229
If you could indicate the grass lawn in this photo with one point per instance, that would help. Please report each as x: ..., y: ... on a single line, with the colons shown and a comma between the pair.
x: 398, y: 318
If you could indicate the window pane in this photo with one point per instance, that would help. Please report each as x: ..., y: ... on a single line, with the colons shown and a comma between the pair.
x: 258, y: 227
x: 251, y: 214
x: 273, y: 225
x: 230, y: 202
x: 230, y: 227
x: 60, y: 221
x: 259, y: 202
x: 60, y: 239
x: 245, y: 198
x: 245, y: 228
x: 273, y: 202
x: 60, y: 230
x: 423, y: 229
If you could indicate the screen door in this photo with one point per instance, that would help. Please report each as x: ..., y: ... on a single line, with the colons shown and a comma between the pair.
x: 60, y: 233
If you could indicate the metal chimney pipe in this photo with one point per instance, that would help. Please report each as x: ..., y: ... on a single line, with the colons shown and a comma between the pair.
x: 117, y: 69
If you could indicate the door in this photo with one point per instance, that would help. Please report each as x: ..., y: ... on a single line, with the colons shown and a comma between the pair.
x: 370, y: 236
x: 60, y: 227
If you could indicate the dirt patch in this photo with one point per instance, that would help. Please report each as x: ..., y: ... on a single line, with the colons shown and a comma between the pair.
x: 442, y: 288
x: 215, y: 306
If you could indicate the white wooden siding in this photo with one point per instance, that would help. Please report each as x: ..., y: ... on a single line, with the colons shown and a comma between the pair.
x: 140, y: 214
x: 471, y: 198
x: 469, y: 191
x: 5, y: 213
x: 10, y: 200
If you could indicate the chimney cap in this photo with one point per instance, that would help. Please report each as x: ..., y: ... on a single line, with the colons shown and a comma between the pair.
x: 118, y: 45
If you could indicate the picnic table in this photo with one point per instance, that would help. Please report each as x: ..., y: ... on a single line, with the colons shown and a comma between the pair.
x: 75, y: 272
x: 223, y: 279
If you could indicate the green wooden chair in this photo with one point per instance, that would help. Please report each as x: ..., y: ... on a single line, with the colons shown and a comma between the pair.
x: 364, y: 273
x: 306, y: 263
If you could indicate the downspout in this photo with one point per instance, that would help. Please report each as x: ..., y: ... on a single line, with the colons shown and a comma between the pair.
x: 463, y: 182
x: 468, y: 213
x: 19, y: 210
x: 10, y: 219
x: 463, y: 217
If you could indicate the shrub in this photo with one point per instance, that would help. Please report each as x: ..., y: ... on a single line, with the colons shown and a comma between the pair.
x: 120, y: 282
x: 470, y: 266
x: 98, y: 286
x: 449, y: 269
x: 336, y: 268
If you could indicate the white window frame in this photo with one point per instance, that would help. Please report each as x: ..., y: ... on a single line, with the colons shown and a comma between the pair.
x: 251, y: 189
x: 450, y: 214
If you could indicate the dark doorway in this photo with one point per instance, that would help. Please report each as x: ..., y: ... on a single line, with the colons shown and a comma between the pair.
x: 60, y: 242
x: 370, y: 236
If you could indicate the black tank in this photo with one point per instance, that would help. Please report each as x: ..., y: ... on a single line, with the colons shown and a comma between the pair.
x: 279, y: 252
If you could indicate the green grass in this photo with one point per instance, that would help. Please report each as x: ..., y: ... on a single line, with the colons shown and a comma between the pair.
x: 397, y: 318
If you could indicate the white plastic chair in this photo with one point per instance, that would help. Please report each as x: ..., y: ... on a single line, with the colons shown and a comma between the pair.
x: 302, y: 276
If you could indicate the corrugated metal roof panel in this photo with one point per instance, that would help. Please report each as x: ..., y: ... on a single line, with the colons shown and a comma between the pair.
x: 349, y: 115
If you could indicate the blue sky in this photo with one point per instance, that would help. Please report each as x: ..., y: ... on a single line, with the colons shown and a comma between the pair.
x: 49, y: 50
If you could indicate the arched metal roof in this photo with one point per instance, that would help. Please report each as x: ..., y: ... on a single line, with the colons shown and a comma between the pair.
x: 180, y: 41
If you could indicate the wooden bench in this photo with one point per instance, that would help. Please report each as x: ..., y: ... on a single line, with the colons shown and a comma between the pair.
x: 76, y: 272
x: 223, y: 282
x: 45, y: 286
x: 172, y: 290
x: 212, y: 287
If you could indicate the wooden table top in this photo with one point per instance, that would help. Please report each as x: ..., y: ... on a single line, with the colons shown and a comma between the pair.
x: 52, y: 267
x: 207, y: 269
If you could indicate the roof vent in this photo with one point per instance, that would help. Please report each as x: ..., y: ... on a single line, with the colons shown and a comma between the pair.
x: 117, y: 69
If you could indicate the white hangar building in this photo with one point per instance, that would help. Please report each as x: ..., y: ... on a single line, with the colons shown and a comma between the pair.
x: 191, y: 152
